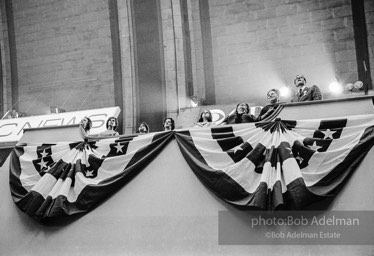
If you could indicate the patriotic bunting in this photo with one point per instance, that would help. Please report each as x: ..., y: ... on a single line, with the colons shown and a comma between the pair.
x: 281, y: 164
x: 53, y: 180
x: 268, y: 165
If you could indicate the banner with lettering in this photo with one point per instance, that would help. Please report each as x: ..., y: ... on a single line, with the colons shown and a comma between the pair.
x: 12, y: 129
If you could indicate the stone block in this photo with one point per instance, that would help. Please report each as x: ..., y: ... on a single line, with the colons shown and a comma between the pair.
x: 344, y: 56
x: 308, y: 6
x: 324, y: 14
x: 285, y: 9
x: 266, y: 13
x: 343, y: 11
x: 343, y: 35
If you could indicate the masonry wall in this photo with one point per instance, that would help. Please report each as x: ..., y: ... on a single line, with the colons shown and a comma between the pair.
x: 64, y: 52
x: 149, y: 63
x: 5, y: 60
x: 196, y: 49
x: 64, y: 55
x: 127, y: 45
x: 258, y: 45
x: 369, y: 16
x: 173, y: 55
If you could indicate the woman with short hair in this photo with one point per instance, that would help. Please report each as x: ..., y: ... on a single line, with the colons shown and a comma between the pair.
x: 168, y: 124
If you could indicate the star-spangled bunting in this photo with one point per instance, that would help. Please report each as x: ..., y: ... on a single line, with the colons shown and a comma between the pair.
x: 55, y: 180
x: 314, y: 146
x: 290, y: 164
x: 328, y: 134
x: 119, y: 148
x: 268, y: 165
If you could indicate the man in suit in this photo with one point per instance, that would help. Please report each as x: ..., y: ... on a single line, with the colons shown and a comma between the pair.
x: 273, y: 97
x: 305, y: 93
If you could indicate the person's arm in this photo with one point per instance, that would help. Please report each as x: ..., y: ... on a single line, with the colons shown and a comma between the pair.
x: 265, y: 112
x: 197, y: 125
x: 225, y: 121
x: 316, y: 93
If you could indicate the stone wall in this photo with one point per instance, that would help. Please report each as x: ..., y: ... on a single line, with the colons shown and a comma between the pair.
x: 6, y: 100
x: 369, y: 16
x: 64, y: 55
x: 258, y: 45
x: 64, y: 52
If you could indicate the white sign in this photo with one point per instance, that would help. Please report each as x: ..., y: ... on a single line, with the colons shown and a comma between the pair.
x: 12, y: 129
x: 217, y: 116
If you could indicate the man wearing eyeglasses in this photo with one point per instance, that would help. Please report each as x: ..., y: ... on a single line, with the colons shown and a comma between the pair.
x: 305, y: 93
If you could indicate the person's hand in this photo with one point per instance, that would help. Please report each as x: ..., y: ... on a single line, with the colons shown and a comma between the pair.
x: 268, y: 112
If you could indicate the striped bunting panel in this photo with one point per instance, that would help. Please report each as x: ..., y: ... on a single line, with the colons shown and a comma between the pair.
x: 283, y: 164
x: 54, y: 180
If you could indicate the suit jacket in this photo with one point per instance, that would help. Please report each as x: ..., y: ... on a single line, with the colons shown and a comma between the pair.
x: 265, y: 109
x: 309, y: 94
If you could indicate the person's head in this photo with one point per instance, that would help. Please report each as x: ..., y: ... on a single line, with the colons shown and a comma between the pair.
x: 143, y: 128
x: 169, y: 124
x: 205, y: 116
x: 299, y: 81
x: 273, y: 96
x: 242, y: 108
x: 86, y: 124
x: 112, y: 123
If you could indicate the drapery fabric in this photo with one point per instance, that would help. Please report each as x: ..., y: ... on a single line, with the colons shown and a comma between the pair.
x: 52, y: 180
x: 267, y: 165
x: 279, y: 163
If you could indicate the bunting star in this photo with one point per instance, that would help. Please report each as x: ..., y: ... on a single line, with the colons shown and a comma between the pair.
x: 119, y: 147
x: 237, y: 148
x: 314, y: 146
x: 42, y: 164
x: 328, y: 133
x: 44, y: 154
x: 89, y: 173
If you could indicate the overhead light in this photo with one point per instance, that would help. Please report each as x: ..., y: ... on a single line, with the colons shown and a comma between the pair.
x: 285, y: 91
x: 335, y: 88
